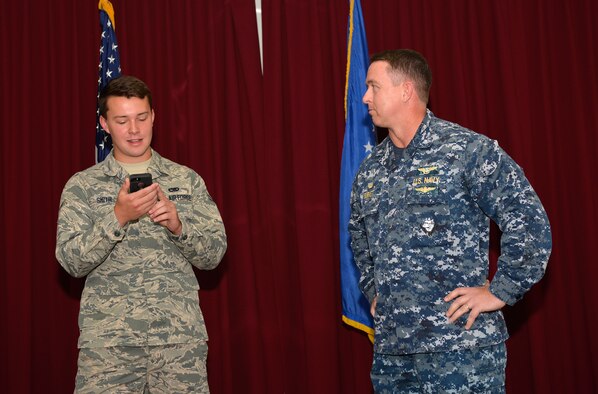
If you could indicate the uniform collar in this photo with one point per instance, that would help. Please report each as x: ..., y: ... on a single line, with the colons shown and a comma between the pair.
x: 156, y: 166
x: 421, y: 140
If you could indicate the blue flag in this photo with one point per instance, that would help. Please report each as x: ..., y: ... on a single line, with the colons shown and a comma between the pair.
x: 109, y: 68
x: 359, y: 140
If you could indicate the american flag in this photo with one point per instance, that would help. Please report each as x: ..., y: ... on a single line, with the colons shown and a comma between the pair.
x: 109, y: 68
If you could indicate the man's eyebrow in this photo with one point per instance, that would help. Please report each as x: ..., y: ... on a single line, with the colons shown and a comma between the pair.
x: 126, y: 116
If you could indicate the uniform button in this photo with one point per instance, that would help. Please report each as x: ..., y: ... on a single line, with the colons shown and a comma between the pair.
x: 184, y: 237
x: 117, y: 233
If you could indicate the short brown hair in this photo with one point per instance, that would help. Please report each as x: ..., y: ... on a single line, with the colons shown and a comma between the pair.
x: 410, y: 64
x: 123, y: 86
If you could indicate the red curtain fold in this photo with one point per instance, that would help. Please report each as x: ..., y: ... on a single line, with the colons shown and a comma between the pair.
x: 268, y: 146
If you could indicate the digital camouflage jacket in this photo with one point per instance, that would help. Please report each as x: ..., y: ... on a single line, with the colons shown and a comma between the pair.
x: 420, y: 228
x: 140, y: 287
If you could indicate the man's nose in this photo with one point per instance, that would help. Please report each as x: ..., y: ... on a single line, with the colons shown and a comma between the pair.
x: 134, y: 127
x: 366, y: 97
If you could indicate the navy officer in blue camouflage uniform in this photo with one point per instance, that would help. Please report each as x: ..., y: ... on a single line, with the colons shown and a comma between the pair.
x: 419, y: 226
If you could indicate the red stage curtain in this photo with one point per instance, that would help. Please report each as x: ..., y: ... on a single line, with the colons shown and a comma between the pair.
x: 269, y: 149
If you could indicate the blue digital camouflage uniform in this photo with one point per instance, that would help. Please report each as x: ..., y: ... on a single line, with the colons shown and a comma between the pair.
x: 473, y: 370
x: 419, y: 229
x: 140, y: 289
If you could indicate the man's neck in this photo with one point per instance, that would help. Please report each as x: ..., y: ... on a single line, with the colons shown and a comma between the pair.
x: 402, y: 135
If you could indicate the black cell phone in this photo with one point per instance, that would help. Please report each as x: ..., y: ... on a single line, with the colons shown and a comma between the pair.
x: 139, y: 181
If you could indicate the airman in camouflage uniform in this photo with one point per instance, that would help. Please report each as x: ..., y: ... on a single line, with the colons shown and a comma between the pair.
x: 420, y: 235
x: 141, y: 327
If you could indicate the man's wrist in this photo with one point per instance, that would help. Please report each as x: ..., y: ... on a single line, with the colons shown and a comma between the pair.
x: 119, y: 216
x: 178, y: 230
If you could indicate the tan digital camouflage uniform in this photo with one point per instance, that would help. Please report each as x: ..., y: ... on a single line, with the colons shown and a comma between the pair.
x: 140, y: 288
x: 167, y: 369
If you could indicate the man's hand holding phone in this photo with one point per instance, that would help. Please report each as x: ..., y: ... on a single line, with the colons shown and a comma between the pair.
x: 166, y: 214
x: 132, y: 205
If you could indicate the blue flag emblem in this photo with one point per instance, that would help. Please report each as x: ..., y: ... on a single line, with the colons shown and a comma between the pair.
x: 360, y: 139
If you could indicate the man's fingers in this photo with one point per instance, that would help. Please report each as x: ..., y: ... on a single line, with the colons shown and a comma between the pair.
x: 125, y: 186
x: 373, y: 306
x: 161, y: 195
x: 158, y: 212
x: 471, y: 319
x: 148, y: 196
x: 459, y: 291
x: 463, y: 310
x: 457, y: 309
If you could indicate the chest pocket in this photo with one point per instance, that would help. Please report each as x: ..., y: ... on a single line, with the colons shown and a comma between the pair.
x: 428, y: 217
x: 428, y: 206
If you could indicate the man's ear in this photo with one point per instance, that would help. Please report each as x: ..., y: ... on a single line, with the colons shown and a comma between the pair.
x: 104, y: 124
x: 408, y: 90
